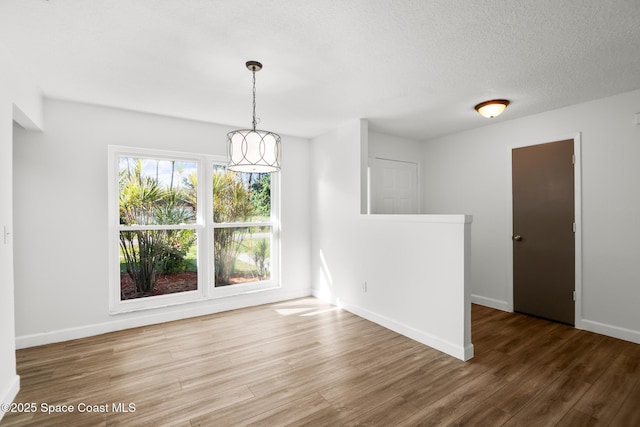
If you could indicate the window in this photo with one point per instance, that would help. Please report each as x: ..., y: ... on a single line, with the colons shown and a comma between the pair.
x: 243, y: 225
x: 184, y: 228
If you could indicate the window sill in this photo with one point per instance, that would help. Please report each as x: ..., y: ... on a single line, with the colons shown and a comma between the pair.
x: 161, y: 301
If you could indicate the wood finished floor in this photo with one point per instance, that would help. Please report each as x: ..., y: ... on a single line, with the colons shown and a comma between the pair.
x: 303, y: 362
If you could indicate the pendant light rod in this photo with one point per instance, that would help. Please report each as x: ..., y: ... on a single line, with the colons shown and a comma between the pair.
x: 254, y: 66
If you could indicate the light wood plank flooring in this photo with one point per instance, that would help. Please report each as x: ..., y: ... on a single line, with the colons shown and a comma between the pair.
x: 304, y: 362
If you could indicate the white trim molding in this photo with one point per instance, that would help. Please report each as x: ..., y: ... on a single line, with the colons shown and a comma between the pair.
x: 490, y: 302
x: 611, y: 331
x: 463, y: 353
x: 9, y: 393
x: 180, y: 312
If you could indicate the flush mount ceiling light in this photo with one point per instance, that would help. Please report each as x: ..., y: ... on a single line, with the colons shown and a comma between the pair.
x: 251, y: 150
x: 493, y: 108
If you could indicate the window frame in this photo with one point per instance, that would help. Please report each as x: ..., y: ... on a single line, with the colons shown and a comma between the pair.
x: 204, y: 227
x: 274, y: 223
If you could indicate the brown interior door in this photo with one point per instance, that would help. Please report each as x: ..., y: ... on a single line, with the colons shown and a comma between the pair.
x: 543, y: 233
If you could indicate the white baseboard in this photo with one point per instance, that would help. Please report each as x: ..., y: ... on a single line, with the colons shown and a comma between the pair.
x: 587, y: 325
x: 9, y: 393
x: 459, y: 352
x: 490, y: 302
x: 609, y: 330
x: 323, y: 297
x: 179, y: 312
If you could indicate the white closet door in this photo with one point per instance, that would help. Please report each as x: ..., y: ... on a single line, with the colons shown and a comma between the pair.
x: 395, y: 187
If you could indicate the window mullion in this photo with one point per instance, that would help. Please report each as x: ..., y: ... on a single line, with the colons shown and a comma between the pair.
x: 157, y: 227
x: 244, y: 224
x: 205, y: 217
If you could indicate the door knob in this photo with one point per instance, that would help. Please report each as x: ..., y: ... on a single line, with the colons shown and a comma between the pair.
x: 517, y: 238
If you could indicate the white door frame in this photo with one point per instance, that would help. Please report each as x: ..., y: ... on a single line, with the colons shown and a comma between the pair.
x: 577, y: 190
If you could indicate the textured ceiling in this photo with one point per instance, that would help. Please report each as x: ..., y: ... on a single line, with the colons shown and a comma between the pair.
x: 414, y: 68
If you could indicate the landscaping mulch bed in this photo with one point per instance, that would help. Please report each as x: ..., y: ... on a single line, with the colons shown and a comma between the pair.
x: 167, y: 284
x: 170, y: 284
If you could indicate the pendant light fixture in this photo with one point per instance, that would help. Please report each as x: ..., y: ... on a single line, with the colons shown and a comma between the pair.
x: 251, y: 150
x: 493, y: 108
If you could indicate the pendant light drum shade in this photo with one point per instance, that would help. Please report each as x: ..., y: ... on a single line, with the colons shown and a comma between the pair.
x: 252, y: 150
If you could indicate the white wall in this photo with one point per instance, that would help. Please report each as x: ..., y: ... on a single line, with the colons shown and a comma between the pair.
x: 394, y: 148
x: 19, y: 100
x: 469, y: 172
x: 60, y: 187
x: 415, y: 267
